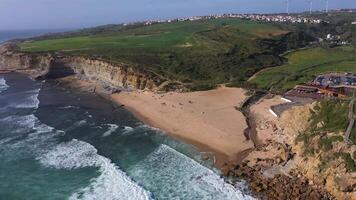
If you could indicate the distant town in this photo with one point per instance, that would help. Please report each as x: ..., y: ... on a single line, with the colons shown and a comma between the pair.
x: 281, y: 18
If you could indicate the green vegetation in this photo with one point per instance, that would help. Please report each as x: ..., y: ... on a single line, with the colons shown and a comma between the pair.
x: 328, y: 116
x: 199, y: 53
x: 303, y: 65
x: 327, y: 142
x: 349, y: 162
x: 327, y: 124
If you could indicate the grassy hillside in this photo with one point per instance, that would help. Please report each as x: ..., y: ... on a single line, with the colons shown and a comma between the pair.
x: 304, y: 65
x: 201, y: 53
x: 162, y: 36
x: 329, y: 121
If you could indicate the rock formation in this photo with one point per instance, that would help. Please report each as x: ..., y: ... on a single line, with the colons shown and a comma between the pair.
x: 54, y: 65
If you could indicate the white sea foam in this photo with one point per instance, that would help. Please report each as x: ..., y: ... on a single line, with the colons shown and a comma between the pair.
x: 127, y: 129
x: 19, y: 124
x: 182, y: 177
x: 69, y: 107
x: 28, y: 135
x: 80, y: 123
x: 111, y: 128
x: 39, y: 136
x: 3, y: 85
x: 29, y: 101
x: 111, y: 184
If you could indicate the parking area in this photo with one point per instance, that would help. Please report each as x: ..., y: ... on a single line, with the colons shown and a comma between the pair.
x: 335, y: 79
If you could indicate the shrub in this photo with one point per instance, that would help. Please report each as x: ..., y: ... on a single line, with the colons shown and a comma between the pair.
x: 327, y: 142
x: 349, y: 162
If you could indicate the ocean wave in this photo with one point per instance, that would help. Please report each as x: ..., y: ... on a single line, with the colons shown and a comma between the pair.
x: 127, y: 129
x: 28, y: 135
x: 19, y: 124
x: 3, y: 85
x: 182, y: 177
x: 111, y: 128
x: 39, y: 136
x: 111, y: 184
x: 30, y: 101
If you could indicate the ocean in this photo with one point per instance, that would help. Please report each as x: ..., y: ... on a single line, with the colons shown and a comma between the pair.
x: 59, y: 143
x: 6, y: 35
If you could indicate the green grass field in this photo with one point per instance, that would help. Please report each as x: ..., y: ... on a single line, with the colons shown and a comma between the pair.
x: 158, y: 36
x: 195, y: 53
x: 304, y: 65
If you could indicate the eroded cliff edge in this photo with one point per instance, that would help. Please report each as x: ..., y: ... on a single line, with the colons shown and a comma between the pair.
x: 112, y: 76
x: 302, y: 153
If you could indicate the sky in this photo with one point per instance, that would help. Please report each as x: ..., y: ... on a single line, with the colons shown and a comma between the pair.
x: 57, y: 14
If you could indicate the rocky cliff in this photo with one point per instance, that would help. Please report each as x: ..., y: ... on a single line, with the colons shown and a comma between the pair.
x: 299, y: 157
x: 114, y: 76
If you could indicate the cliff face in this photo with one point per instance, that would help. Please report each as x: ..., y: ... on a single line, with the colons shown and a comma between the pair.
x: 110, y: 75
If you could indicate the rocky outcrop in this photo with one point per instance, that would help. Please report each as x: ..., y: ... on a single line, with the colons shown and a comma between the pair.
x: 282, y: 167
x: 281, y: 187
x: 111, y: 75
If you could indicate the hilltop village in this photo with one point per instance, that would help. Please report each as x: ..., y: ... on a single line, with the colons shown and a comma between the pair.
x: 280, y: 18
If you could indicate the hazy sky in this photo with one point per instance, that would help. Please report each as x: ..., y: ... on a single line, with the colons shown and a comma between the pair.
x: 54, y: 14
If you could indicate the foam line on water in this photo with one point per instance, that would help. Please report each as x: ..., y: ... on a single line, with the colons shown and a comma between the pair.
x: 3, y: 85
x: 111, y: 184
x: 18, y: 124
x: 182, y: 177
x: 111, y: 128
x: 27, y: 135
x: 127, y: 129
x: 29, y: 101
x: 39, y: 135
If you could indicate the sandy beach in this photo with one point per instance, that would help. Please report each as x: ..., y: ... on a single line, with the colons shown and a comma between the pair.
x: 207, y: 119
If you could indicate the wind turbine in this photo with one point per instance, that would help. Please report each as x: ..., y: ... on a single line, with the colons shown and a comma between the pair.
x: 327, y: 6
x: 287, y: 6
x: 310, y: 6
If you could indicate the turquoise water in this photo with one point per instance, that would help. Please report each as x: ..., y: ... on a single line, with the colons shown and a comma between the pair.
x: 61, y: 144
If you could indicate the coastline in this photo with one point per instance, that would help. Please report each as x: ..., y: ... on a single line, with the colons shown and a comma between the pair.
x: 195, y: 117
x: 250, y: 164
x: 192, y: 117
x: 243, y: 163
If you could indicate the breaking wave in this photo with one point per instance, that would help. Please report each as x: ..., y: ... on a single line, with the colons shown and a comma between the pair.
x: 27, y: 134
x: 19, y: 124
x: 3, y: 85
x: 127, y: 129
x: 111, y: 184
x: 112, y: 128
x: 29, y: 101
x: 190, y: 181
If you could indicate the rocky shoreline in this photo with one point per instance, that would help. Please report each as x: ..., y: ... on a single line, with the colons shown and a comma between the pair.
x: 280, y: 187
